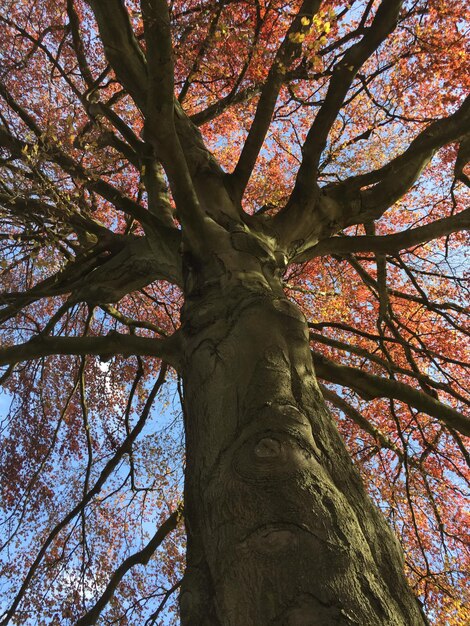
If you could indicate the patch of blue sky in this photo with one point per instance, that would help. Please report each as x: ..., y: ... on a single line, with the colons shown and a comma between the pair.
x: 164, y: 422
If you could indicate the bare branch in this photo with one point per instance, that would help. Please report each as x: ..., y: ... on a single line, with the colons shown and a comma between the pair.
x: 217, y: 108
x: 205, y: 44
x: 132, y: 323
x: 78, y: 44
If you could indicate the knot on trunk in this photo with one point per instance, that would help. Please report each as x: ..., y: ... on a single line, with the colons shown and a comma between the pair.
x: 272, y: 539
x: 271, y: 456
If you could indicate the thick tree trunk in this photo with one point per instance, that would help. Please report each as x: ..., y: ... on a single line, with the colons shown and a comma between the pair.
x: 280, y: 529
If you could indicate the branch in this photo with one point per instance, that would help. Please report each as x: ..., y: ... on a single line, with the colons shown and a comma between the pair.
x: 388, y: 244
x: 105, y: 473
x: 366, y: 197
x: 182, y: 153
x: 150, y: 82
x: 217, y: 108
x: 203, y: 49
x: 130, y: 322
x: 133, y: 76
x: 122, y: 48
x: 160, y: 120
x: 424, y: 380
x: 104, y: 273
x: 286, y: 54
x: 142, y: 557
x: 360, y: 420
x: 370, y: 386
x: 52, y: 153
x: 158, y: 197
x: 115, y: 343
x: 303, y: 194
x: 78, y: 44
x: 463, y: 158
x: 27, y: 207
x: 151, y: 620
x: 163, y: 240
x: 390, y: 182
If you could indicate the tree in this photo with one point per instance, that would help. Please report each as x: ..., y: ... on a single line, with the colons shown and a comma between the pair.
x: 291, y: 177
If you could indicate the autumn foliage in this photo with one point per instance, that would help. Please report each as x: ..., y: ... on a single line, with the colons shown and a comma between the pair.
x: 92, y: 449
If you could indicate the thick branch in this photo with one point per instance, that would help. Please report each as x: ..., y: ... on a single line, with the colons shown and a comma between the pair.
x: 103, y: 273
x: 366, y: 197
x: 370, y: 386
x: 425, y: 381
x: 177, y: 141
x: 160, y: 129
x: 122, y: 48
x: 106, y: 347
x: 388, y: 244
x: 393, y: 180
x: 160, y: 120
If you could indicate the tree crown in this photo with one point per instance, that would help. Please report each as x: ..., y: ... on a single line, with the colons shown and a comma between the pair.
x: 332, y: 136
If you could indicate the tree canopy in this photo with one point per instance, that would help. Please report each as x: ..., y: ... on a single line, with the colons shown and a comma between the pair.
x: 134, y: 133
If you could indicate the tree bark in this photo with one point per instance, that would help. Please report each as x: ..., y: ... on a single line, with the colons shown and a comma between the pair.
x: 280, y: 529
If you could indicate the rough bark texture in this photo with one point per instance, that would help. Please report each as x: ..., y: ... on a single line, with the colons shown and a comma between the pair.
x: 280, y: 529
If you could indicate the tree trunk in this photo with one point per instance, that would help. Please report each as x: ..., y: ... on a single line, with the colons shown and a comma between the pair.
x: 280, y: 529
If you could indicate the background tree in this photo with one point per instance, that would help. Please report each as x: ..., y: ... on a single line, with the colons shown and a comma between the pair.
x: 291, y: 176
